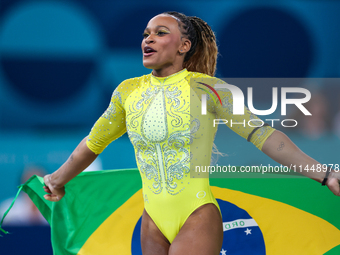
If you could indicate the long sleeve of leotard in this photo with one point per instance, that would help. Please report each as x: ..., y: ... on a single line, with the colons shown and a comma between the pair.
x: 111, y: 125
x: 238, y: 123
x: 243, y: 125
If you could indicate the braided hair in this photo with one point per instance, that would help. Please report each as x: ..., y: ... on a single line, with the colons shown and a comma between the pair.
x: 202, y: 56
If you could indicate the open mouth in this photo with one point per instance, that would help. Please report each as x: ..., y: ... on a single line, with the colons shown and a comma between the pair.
x: 148, y: 51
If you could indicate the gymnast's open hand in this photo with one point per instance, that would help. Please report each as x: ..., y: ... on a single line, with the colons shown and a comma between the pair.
x: 55, y: 193
x: 333, y: 183
x: 79, y: 160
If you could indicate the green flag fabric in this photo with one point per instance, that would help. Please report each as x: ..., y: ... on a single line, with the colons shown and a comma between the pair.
x: 101, y: 214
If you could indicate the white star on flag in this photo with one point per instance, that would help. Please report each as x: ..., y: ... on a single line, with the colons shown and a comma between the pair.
x: 223, y: 252
x: 248, y: 231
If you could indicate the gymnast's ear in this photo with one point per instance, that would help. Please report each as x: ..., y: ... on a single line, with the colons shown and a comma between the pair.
x: 185, y: 47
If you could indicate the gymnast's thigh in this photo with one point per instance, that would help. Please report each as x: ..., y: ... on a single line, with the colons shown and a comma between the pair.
x: 152, y: 240
x: 201, y: 234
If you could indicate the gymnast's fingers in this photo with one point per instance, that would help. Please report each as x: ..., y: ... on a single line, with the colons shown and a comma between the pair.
x: 52, y: 198
x: 333, y: 185
x: 47, y: 189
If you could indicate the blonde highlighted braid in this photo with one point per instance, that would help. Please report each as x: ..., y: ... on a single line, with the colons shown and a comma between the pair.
x: 202, y: 56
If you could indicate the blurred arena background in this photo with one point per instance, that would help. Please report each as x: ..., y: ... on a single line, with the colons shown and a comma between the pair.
x: 61, y: 60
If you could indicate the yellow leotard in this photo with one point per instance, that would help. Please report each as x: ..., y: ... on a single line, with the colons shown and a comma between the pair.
x: 170, y: 137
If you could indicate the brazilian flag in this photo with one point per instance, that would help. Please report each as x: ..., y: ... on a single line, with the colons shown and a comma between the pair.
x: 101, y: 214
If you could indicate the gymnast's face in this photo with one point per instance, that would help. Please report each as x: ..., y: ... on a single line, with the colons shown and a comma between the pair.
x: 162, y: 43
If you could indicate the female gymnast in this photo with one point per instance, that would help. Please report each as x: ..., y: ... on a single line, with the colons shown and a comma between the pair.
x: 170, y: 137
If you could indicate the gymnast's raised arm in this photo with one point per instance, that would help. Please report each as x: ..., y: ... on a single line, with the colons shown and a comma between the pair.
x: 281, y: 149
x: 110, y: 126
x: 79, y: 160
x: 274, y: 143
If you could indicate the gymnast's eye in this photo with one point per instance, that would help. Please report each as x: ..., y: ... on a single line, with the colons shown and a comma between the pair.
x: 145, y: 35
x: 162, y: 32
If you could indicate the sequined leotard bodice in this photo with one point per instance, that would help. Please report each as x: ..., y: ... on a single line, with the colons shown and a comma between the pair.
x: 170, y: 136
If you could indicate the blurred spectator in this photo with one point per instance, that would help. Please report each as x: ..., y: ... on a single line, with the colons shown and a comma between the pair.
x: 319, y: 123
x: 336, y: 120
x: 24, y: 212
